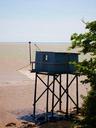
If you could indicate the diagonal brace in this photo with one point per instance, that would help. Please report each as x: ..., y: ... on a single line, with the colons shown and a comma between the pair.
x: 65, y: 91
x: 47, y: 87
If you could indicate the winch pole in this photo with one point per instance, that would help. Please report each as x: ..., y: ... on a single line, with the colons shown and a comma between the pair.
x: 30, y: 51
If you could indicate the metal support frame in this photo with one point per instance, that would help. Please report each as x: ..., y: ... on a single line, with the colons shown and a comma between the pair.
x: 62, y: 91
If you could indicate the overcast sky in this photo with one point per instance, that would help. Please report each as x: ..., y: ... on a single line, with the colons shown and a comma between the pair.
x: 44, y: 20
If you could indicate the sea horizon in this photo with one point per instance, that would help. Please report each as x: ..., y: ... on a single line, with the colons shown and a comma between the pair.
x: 35, y: 42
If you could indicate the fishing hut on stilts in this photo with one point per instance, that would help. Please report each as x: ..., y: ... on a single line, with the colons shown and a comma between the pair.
x: 55, y: 66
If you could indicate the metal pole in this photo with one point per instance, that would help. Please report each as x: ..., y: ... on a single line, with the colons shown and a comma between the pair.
x: 60, y: 93
x: 77, y: 95
x: 53, y: 94
x: 47, y: 98
x: 35, y: 91
x: 67, y: 99
x: 30, y: 51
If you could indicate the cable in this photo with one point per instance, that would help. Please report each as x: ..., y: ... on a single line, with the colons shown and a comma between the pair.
x: 37, y: 47
x: 23, y: 67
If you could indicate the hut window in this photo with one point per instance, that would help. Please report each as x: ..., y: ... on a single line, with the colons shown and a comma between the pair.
x: 45, y: 57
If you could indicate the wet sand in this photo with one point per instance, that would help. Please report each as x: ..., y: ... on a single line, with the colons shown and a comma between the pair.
x: 17, y: 87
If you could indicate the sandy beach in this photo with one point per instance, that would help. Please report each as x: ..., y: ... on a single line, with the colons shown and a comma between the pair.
x: 17, y: 85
